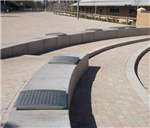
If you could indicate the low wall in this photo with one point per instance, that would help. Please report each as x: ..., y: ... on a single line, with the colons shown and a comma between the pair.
x: 43, y: 44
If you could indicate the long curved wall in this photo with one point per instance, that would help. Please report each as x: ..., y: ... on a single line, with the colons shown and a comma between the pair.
x: 43, y: 44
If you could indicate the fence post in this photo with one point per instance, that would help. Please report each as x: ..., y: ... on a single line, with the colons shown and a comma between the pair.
x: 107, y: 19
x: 127, y: 21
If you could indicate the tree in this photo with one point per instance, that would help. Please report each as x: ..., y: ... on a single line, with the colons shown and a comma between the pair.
x: 95, y: 1
x: 52, y: 2
x: 38, y: 4
x: 137, y: 3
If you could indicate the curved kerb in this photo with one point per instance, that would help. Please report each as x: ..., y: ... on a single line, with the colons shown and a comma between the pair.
x: 132, y: 77
x: 98, y: 50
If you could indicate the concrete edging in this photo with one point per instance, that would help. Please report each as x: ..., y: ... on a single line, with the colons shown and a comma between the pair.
x: 132, y: 77
x: 114, y: 45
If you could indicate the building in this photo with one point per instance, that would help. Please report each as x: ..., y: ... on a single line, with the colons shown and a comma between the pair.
x: 127, y: 8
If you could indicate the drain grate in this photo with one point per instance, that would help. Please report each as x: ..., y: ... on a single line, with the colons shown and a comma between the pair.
x: 64, y: 60
x: 41, y: 99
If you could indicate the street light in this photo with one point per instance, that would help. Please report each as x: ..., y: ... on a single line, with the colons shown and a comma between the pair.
x: 45, y: 4
x: 78, y: 9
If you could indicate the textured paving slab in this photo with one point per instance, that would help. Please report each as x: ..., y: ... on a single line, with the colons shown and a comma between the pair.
x: 41, y: 100
x: 64, y: 60
x: 104, y: 96
x: 143, y: 71
x: 18, y: 70
x: 25, y: 25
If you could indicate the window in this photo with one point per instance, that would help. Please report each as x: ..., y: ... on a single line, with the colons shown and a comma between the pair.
x: 114, y: 11
x: 90, y: 10
x: 83, y: 9
x: 100, y: 11
x: 87, y: 10
x: 132, y: 12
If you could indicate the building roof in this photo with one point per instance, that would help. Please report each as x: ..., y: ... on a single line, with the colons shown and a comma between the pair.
x: 112, y: 3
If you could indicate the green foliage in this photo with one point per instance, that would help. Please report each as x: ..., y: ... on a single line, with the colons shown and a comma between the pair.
x: 123, y: 22
x: 112, y: 20
x: 13, y: 4
x: 27, y: 6
x: 104, y: 19
x: 89, y: 17
x: 130, y: 23
x: 38, y: 4
x: 95, y: 18
x: 82, y: 16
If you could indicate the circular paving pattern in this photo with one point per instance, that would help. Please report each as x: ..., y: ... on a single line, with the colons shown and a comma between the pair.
x: 104, y: 96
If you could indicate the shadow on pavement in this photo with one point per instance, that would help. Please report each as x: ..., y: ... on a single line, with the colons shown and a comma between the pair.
x: 9, y: 16
x: 81, y: 110
x: 11, y: 125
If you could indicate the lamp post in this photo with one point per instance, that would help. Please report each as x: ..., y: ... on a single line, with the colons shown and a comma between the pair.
x: 78, y: 9
x: 96, y: 5
x: 45, y: 5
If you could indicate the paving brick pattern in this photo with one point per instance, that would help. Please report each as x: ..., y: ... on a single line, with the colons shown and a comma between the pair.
x: 104, y: 96
x: 121, y: 104
x: 16, y: 26
x: 143, y: 71
x: 18, y: 70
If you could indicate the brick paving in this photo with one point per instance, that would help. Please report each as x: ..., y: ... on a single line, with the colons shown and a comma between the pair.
x: 143, y: 71
x: 16, y: 26
x: 104, y: 96
x: 18, y: 70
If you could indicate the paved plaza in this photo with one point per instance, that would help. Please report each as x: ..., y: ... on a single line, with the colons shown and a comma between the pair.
x: 25, y: 25
x: 103, y: 97
x: 143, y: 70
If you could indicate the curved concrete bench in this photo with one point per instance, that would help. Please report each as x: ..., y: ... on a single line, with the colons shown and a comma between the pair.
x: 46, y: 98
x: 132, y: 77
x: 42, y: 44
